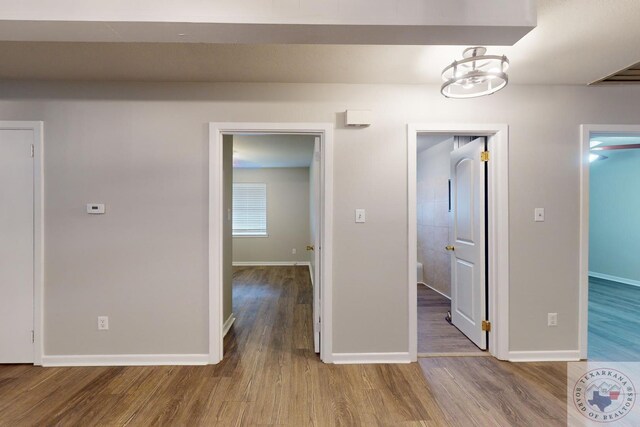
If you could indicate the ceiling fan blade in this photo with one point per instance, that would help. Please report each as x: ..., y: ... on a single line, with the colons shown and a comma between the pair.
x: 616, y: 147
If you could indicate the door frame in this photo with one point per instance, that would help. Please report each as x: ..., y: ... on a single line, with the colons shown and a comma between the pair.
x: 216, y: 131
x: 583, y: 294
x: 38, y: 230
x: 498, y: 230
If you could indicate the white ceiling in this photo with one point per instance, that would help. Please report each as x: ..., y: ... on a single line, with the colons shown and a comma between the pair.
x: 272, y: 151
x: 576, y: 42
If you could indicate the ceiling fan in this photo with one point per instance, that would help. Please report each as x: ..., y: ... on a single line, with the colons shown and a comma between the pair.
x: 596, y: 146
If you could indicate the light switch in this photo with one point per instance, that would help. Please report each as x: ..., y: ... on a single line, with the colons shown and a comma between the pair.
x: 360, y: 215
x: 538, y: 214
x: 95, y: 208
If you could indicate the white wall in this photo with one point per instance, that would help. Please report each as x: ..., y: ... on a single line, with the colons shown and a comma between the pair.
x: 142, y: 150
x: 432, y: 198
x: 287, y: 216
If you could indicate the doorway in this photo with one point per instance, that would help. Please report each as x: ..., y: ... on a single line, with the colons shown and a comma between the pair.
x: 479, y: 277
x: 21, y: 250
x: 451, y: 244
x: 254, y: 238
x: 610, y: 282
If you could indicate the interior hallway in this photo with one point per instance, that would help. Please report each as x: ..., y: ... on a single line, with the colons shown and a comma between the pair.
x: 270, y: 375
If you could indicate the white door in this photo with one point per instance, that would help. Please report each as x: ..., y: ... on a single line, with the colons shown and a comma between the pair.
x: 16, y: 246
x: 468, y: 305
x: 314, y: 210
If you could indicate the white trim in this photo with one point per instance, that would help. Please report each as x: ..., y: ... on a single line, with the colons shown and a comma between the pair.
x: 269, y: 263
x: 545, y: 356
x: 126, y: 360
x: 216, y: 130
x: 367, y: 358
x: 585, y: 147
x: 434, y: 289
x: 621, y: 280
x: 498, y: 145
x: 228, y: 324
x: 38, y: 230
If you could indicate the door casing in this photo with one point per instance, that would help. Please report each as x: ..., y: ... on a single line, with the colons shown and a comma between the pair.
x: 497, y: 233
x: 216, y: 131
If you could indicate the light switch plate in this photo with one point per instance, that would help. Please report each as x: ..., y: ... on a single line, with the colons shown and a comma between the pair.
x: 360, y: 215
x: 95, y: 208
x: 538, y: 215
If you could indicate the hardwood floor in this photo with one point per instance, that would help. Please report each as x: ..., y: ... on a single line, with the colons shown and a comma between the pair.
x: 483, y: 391
x: 435, y: 334
x: 270, y: 375
x: 614, y: 321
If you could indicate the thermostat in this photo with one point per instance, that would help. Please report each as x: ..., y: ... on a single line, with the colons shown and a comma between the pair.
x: 95, y: 208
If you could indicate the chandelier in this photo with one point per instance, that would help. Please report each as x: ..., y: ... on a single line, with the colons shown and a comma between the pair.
x: 476, y: 74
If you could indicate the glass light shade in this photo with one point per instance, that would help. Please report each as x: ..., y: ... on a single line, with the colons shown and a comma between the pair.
x: 477, y: 74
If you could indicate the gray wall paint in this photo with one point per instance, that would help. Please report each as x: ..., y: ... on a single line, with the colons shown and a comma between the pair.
x: 227, y: 248
x: 432, y: 199
x: 143, y: 149
x: 287, y: 216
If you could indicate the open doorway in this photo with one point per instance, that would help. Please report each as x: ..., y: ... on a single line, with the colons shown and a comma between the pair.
x: 478, y: 243
x: 451, y: 244
x: 613, y: 273
x: 270, y: 233
x: 270, y: 245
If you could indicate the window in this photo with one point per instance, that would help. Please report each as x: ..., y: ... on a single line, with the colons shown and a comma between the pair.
x: 249, y: 209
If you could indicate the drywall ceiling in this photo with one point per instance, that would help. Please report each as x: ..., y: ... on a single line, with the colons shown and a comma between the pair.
x: 272, y: 151
x: 575, y: 42
x: 392, y: 22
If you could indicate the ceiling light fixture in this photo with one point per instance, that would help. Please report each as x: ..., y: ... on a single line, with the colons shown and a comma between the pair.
x: 477, y: 74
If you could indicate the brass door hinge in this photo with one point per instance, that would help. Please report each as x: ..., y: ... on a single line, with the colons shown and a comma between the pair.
x: 486, y: 326
x: 484, y: 156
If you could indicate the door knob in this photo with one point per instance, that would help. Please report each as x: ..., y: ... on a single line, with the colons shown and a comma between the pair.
x: 450, y: 248
x: 310, y: 248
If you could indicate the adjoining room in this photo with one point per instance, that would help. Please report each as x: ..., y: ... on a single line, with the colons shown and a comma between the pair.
x: 614, y: 247
x: 269, y: 242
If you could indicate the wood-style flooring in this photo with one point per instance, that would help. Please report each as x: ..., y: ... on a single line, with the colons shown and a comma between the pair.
x: 271, y: 376
x: 614, y: 321
x: 435, y: 334
x: 482, y: 391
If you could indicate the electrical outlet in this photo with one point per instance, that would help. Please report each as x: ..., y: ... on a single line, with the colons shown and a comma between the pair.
x: 293, y: 251
x: 552, y: 319
x: 103, y: 323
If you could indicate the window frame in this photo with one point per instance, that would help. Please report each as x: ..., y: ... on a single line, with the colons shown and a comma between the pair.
x: 266, y: 212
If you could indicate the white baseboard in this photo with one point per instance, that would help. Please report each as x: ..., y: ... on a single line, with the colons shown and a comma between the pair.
x: 622, y: 280
x: 544, y: 356
x: 126, y: 360
x: 366, y: 358
x: 227, y: 324
x: 434, y: 289
x: 268, y: 263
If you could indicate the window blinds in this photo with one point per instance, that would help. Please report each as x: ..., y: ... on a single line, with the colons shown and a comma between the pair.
x: 249, y: 209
